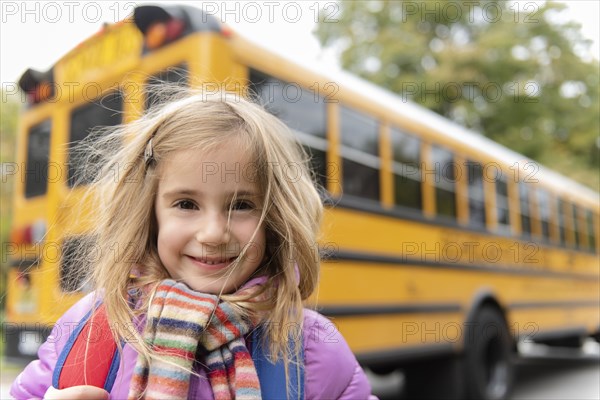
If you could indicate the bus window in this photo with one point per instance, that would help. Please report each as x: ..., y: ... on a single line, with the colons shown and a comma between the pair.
x: 575, y: 225
x: 174, y: 75
x: 589, y: 217
x: 525, y: 209
x: 106, y: 111
x: 545, y: 213
x: 70, y: 268
x: 561, y: 222
x: 318, y: 166
x: 476, y: 194
x: 360, y: 165
x: 407, y: 173
x: 38, y: 155
x: 302, y: 110
x: 502, y: 204
x: 445, y: 182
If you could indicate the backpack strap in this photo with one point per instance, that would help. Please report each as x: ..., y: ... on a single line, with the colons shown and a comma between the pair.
x: 272, y: 376
x: 90, y: 356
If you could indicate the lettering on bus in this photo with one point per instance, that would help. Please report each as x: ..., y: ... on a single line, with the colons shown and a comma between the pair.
x: 115, y: 48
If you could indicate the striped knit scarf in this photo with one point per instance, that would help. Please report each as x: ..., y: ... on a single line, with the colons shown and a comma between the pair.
x: 179, y: 320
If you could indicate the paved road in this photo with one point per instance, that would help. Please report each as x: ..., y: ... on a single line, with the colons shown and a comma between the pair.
x: 542, y: 373
x: 560, y: 374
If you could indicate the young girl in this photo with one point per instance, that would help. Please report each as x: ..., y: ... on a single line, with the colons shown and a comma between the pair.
x: 208, y: 248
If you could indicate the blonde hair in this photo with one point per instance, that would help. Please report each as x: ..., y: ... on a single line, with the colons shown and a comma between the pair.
x: 125, y: 187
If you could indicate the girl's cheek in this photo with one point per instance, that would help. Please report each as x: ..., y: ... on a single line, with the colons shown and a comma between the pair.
x: 255, y: 253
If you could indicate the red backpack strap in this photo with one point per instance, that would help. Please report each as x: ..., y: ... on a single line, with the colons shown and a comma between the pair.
x: 90, y: 356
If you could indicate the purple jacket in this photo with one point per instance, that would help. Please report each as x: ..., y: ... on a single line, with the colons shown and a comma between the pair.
x: 331, y: 370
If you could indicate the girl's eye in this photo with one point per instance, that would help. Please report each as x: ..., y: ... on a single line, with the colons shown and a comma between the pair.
x: 242, y: 205
x: 185, y: 205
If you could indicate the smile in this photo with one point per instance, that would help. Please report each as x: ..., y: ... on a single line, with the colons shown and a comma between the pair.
x: 213, y: 263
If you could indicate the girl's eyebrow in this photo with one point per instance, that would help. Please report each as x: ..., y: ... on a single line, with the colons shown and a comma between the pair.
x: 195, y: 193
x: 180, y: 192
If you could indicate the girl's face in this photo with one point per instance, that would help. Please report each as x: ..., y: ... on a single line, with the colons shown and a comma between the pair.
x: 208, y: 210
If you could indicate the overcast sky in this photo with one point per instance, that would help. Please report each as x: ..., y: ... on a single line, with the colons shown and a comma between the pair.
x: 35, y: 34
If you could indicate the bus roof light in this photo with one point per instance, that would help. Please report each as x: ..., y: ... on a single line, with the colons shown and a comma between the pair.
x: 38, y: 85
x: 160, y: 33
x: 156, y: 35
x: 175, y: 28
x: 226, y: 31
x: 161, y: 25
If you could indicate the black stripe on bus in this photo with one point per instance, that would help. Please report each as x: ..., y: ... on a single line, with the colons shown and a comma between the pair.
x: 391, y: 309
x: 399, y: 212
x: 554, y: 304
x: 387, y: 309
x: 346, y: 255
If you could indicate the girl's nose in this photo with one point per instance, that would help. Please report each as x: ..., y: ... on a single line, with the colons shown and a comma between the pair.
x: 213, y: 229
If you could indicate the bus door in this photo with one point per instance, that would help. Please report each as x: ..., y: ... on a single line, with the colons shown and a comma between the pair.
x: 27, y: 249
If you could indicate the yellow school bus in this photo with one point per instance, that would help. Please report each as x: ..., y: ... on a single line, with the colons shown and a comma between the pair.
x: 441, y: 249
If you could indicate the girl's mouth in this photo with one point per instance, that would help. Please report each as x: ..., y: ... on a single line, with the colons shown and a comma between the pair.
x: 212, y: 263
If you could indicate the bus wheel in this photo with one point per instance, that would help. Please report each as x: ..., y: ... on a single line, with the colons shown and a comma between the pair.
x: 488, y: 357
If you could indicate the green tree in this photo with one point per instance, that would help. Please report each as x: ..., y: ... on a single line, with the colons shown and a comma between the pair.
x: 9, y: 112
x: 504, y: 69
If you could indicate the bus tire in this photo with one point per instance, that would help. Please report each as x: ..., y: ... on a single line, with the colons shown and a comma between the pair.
x: 488, y: 356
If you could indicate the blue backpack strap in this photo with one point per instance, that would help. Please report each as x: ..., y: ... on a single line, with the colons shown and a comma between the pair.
x: 272, y: 376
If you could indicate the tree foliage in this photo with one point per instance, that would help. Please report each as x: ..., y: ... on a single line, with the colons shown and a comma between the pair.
x: 505, y: 69
x: 9, y: 113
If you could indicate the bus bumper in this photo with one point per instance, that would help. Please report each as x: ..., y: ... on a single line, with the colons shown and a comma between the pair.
x: 22, y: 341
